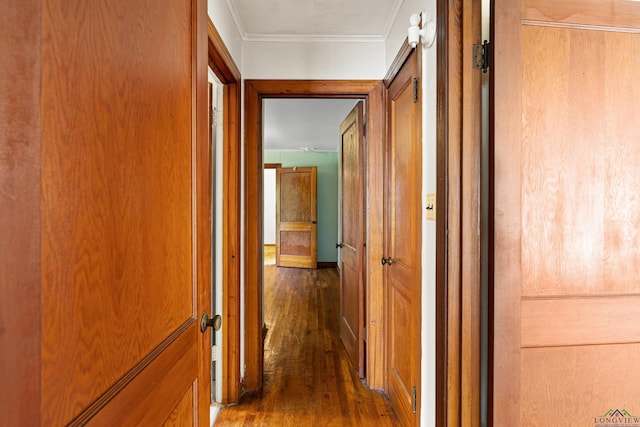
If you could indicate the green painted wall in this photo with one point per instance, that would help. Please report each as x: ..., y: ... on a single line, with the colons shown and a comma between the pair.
x: 327, y: 163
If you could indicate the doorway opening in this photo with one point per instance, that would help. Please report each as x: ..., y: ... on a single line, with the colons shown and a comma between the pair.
x: 224, y: 70
x: 216, y: 105
x: 303, y: 148
x: 256, y: 91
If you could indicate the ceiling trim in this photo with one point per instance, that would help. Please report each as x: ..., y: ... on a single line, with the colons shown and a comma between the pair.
x: 255, y: 37
x: 392, y: 18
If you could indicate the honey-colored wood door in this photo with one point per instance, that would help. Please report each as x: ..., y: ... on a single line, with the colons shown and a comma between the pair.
x: 296, y: 217
x: 122, y: 216
x: 566, y: 220
x: 402, y: 235
x: 352, y: 236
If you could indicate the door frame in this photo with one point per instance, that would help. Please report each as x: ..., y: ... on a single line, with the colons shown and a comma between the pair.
x: 374, y: 94
x: 225, y: 69
x: 20, y: 225
x: 458, y: 194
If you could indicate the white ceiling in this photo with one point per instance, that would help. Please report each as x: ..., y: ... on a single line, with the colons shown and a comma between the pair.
x: 310, y: 124
x: 322, y: 20
x: 304, y: 124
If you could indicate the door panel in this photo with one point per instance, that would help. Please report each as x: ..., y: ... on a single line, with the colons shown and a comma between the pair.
x: 403, y: 231
x: 352, y: 239
x: 555, y: 377
x: 567, y: 223
x: 296, y: 217
x: 121, y: 209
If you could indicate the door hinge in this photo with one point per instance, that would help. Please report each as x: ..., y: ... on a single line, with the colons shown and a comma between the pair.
x: 414, y: 403
x: 364, y: 334
x: 481, y: 54
x: 415, y: 89
x: 364, y: 129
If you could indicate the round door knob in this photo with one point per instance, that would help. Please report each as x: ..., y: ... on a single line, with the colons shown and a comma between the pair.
x: 215, y: 322
x: 386, y: 260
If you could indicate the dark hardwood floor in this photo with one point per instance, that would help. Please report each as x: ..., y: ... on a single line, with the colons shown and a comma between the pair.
x: 308, y: 380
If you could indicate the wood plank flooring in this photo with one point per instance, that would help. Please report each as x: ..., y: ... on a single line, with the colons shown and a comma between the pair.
x: 308, y: 379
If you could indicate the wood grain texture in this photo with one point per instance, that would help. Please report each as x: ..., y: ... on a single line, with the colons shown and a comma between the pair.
x: 352, y: 220
x: 580, y: 235
x: 172, y: 374
x: 255, y: 91
x: 202, y: 202
x: 308, y: 379
x: 182, y: 415
x: 374, y: 276
x: 120, y: 96
x: 253, y: 239
x: 312, y: 88
x: 572, y: 386
x: 506, y: 206
x: 296, y: 217
x: 20, y: 257
x: 622, y: 14
x: 448, y: 193
x: 580, y: 321
x: 231, y: 240
x: 403, y: 231
x: 470, y: 222
x: 447, y: 35
x: 566, y: 217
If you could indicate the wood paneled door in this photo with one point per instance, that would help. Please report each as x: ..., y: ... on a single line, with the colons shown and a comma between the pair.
x: 566, y: 212
x: 117, y: 272
x: 403, y: 241
x: 352, y: 218
x: 296, y: 217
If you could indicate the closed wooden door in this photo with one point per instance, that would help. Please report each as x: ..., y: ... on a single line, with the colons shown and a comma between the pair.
x: 566, y: 217
x: 403, y: 240
x: 123, y: 215
x: 352, y: 236
x: 296, y: 217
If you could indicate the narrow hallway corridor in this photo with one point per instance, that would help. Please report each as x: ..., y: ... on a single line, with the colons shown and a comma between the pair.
x: 308, y: 379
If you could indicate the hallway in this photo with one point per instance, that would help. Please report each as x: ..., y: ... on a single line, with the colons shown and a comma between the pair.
x: 308, y: 380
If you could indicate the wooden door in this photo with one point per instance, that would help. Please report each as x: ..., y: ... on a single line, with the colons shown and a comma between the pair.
x: 352, y: 236
x: 566, y: 212
x: 296, y: 217
x: 122, y: 216
x: 403, y: 240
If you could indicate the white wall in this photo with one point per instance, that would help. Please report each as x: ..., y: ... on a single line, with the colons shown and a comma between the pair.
x: 269, y: 207
x: 313, y: 60
x: 223, y: 21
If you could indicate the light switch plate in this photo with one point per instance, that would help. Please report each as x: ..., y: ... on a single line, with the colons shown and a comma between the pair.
x: 431, y: 207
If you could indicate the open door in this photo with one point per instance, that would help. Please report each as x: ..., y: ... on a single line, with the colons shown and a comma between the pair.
x: 352, y: 237
x: 120, y: 202
x: 566, y: 213
x: 296, y: 217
